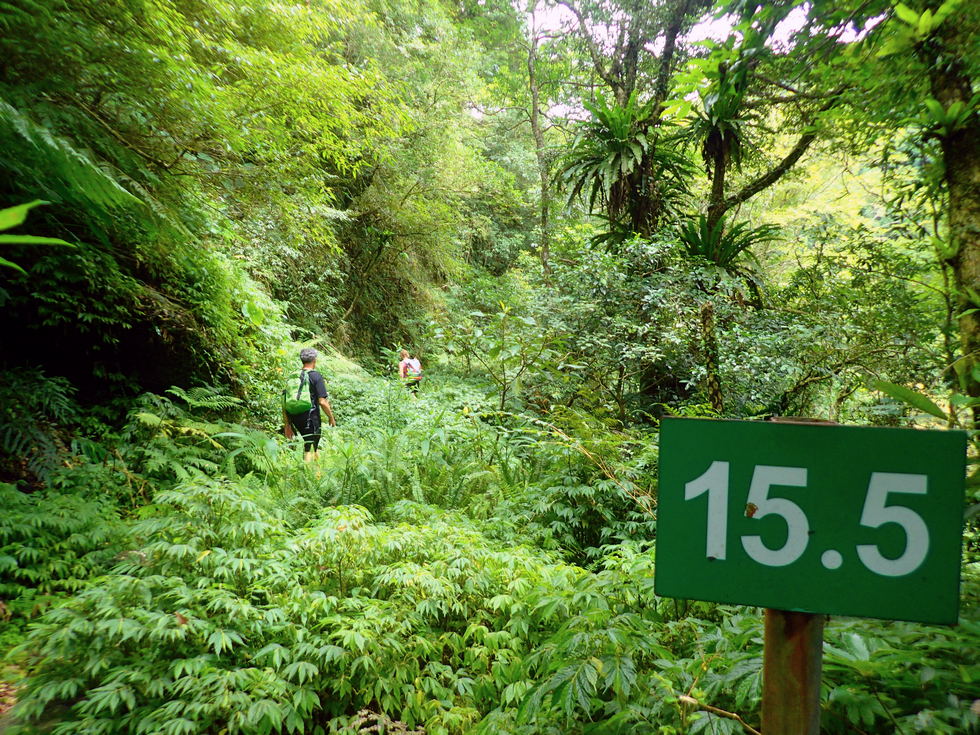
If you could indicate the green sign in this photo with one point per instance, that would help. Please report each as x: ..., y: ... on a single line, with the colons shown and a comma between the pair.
x: 812, y: 517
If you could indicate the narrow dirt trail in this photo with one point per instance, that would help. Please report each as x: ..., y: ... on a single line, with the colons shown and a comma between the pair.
x: 8, y: 695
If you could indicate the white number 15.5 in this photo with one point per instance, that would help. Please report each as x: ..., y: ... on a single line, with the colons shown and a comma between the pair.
x: 875, y: 513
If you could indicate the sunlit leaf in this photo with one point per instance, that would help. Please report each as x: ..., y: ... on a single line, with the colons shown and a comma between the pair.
x: 911, y: 397
x: 13, y: 216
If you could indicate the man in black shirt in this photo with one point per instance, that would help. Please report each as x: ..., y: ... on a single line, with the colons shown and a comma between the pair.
x: 307, y: 424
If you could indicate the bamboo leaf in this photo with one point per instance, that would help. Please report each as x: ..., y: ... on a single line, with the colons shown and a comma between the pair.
x: 925, y: 23
x: 906, y: 14
x: 32, y: 240
x: 13, y: 216
x: 911, y: 397
x: 9, y: 264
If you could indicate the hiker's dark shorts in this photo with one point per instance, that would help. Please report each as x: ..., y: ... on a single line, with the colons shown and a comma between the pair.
x: 307, y: 425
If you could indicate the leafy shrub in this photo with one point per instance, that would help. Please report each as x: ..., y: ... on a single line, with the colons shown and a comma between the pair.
x: 417, y: 578
x: 587, y: 486
x: 390, y: 446
x: 169, y: 440
x: 221, y: 620
x: 33, y: 411
x: 903, y: 677
x: 622, y: 661
x: 153, y: 647
x: 51, y: 544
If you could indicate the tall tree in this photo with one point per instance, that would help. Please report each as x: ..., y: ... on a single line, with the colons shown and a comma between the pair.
x: 920, y: 82
x: 621, y: 39
x: 947, y: 45
x: 632, y: 50
x: 533, y: 38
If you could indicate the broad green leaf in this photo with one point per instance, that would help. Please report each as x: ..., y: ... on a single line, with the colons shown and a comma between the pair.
x: 32, y: 240
x: 253, y: 313
x: 961, y: 401
x: 906, y: 14
x: 936, y: 112
x: 911, y: 397
x: 963, y: 367
x: 13, y: 216
x: 8, y: 264
x: 944, y: 11
x: 925, y: 24
x: 899, y: 43
x: 944, y: 249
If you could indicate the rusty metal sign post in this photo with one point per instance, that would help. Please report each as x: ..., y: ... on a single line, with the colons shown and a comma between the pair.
x: 809, y: 519
x: 791, y: 666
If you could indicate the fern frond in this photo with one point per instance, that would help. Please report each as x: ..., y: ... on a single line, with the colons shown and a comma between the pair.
x: 27, y: 147
x: 208, y: 397
x: 34, y: 408
x: 149, y: 419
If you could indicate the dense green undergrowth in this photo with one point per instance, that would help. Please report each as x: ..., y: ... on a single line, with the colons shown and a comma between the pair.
x: 779, y: 222
x: 445, y: 566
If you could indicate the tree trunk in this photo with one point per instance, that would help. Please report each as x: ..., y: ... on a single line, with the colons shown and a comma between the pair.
x: 620, y: 390
x: 711, y: 356
x: 950, y: 82
x: 962, y: 153
x: 716, y: 202
x: 539, y: 152
x: 676, y: 24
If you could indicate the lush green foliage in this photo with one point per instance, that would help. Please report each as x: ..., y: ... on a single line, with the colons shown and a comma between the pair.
x: 52, y: 543
x: 617, y: 155
x: 502, y: 582
x: 722, y: 246
x: 33, y: 407
x: 232, y: 180
x: 14, y: 216
x: 155, y: 132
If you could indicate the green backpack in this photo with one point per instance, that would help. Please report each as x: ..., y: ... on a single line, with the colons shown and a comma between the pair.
x: 296, y: 394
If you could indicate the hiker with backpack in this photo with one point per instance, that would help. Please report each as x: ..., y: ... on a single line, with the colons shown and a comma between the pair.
x: 302, y: 398
x: 410, y: 371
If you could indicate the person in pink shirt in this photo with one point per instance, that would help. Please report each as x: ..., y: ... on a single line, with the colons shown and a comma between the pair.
x: 410, y: 371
